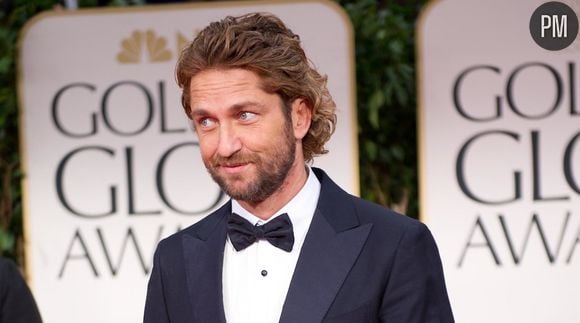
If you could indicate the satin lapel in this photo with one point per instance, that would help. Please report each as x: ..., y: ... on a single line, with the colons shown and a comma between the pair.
x: 332, y: 245
x: 203, y: 257
x: 324, y: 263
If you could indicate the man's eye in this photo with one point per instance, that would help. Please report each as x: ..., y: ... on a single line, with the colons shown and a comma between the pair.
x: 245, y: 116
x: 206, y: 122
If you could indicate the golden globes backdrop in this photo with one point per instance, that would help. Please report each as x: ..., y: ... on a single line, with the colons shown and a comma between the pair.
x: 500, y: 161
x: 110, y: 161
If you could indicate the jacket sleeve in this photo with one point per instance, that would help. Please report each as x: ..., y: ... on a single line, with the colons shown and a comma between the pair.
x: 155, y: 306
x: 416, y: 291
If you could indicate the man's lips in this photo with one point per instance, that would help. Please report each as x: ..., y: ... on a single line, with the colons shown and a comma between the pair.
x: 233, y: 168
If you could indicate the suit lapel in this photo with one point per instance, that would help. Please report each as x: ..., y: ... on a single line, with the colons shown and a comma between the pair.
x: 203, y: 253
x: 330, y: 249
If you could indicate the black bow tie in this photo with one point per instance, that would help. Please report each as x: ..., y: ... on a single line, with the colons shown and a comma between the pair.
x: 278, y: 232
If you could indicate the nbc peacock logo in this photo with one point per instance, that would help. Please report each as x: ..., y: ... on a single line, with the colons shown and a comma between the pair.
x: 148, y: 47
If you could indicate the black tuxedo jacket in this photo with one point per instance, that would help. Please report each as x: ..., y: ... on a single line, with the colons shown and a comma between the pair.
x: 17, y: 304
x: 359, y: 263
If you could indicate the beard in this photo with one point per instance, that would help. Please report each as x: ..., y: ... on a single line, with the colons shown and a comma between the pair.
x: 271, y: 170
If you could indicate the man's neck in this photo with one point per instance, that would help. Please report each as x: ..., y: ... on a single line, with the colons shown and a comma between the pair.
x: 293, y: 183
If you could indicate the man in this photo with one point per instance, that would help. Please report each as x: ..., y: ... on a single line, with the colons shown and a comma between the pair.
x: 290, y: 246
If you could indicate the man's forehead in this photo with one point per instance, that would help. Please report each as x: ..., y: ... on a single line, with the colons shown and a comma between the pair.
x: 215, y: 78
x: 235, y: 78
x: 208, y: 84
x: 230, y: 88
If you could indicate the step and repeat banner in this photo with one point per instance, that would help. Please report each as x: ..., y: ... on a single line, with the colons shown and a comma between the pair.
x: 499, y: 128
x: 111, y: 164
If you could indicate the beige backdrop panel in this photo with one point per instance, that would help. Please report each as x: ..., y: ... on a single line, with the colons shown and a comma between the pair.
x: 509, y: 238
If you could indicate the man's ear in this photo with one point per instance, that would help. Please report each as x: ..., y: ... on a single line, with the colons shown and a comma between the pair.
x: 301, y: 117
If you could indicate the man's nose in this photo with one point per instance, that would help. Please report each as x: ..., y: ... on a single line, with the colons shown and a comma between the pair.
x: 229, y: 142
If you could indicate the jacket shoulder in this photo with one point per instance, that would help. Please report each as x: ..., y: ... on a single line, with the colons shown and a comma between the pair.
x: 388, y: 225
x: 345, y: 210
x: 371, y: 212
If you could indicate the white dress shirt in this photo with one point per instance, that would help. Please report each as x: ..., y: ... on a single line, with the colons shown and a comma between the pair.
x: 256, y: 279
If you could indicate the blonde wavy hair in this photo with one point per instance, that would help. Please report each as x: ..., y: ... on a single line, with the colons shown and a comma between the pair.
x: 261, y: 43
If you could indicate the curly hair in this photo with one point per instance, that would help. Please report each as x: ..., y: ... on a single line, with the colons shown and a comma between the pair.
x: 261, y: 43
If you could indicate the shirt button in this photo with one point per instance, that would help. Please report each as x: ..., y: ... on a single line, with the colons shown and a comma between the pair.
x: 264, y: 273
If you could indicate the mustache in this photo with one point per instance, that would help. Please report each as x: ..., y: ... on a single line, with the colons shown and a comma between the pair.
x: 235, y: 159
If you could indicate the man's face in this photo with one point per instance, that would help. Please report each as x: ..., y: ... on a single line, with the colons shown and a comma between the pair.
x: 247, y: 144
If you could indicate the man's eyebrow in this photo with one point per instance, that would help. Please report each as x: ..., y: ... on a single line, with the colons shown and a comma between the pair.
x: 199, y: 112
x: 236, y: 108
x: 244, y: 105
